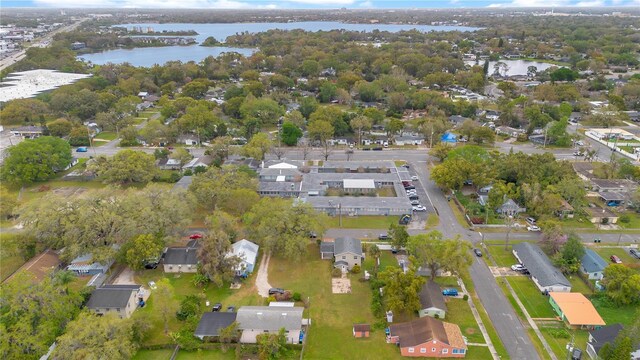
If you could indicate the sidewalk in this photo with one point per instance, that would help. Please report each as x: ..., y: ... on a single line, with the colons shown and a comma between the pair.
x: 483, y: 330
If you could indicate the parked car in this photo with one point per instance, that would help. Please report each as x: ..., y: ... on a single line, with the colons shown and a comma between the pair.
x: 518, y: 267
x: 151, y: 265
x: 195, y: 236
x: 450, y: 292
x: 415, y: 202
x: 576, y: 354
x: 273, y: 291
x: 216, y: 307
x: 414, y: 178
x: 414, y: 197
x: 533, y: 228
x: 530, y: 221
x: 405, y: 219
x: 615, y: 259
x: 580, y: 143
x: 313, y: 235
x: 419, y: 208
x: 410, y: 187
x: 406, y: 166
x: 231, y: 308
x: 394, y: 250
x: 82, y: 149
x: 383, y: 236
x: 477, y: 252
x: 635, y: 253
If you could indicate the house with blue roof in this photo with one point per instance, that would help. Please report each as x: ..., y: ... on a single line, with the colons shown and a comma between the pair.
x: 592, y: 265
x: 449, y: 138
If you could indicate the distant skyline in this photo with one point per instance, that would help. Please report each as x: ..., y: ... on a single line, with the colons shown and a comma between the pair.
x: 312, y: 4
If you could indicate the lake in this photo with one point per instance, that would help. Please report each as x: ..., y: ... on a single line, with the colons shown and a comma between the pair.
x: 515, y: 67
x: 160, y: 55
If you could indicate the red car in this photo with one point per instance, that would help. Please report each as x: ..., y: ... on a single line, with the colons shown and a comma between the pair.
x: 615, y: 259
x: 195, y: 236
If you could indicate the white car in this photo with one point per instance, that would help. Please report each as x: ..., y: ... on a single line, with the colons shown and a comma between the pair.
x: 414, y: 178
x: 517, y: 267
x: 580, y: 143
x: 415, y: 202
x: 533, y: 228
x: 419, y: 208
x: 152, y: 285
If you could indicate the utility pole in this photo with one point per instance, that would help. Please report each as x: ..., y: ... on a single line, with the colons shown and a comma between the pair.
x: 91, y: 141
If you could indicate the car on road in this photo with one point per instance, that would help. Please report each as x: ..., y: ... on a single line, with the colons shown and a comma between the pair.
x: 274, y: 291
x: 450, y: 292
x: 414, y: 178
x: 580, y: 143
x: 406, y: 166
x: 405, y: 219
x: 635, y: 253
x: 615, y: 259
x: 530, y: 221
x: 477, y: 252
x: 415, y: 202
x: 383, y: 236
x: 195, y: 236
x: 419, y: 208
x: 518, y: 267
x: 82, y: 149
x: 533, y: 228
x: 409, y: 187
x: 216, y: 307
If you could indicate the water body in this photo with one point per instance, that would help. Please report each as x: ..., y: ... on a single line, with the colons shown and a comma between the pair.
x: 515, y: 67
x: 160, y: 55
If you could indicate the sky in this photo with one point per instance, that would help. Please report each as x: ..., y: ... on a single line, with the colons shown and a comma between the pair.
x: 311, y: 4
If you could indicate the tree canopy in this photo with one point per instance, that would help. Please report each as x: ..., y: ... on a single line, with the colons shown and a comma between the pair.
x: 35, y: 160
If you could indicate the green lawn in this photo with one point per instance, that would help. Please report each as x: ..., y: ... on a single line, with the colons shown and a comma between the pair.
x: 147, y: 114
x: 612, y: 313
x: 459, y: 312
x: 623, y: 254
x: 332, y: 315
x: 558, y: 337
x: 501, y: 256
x: 432, y: 221
x: 634, y: 222
x: 106, y: 135
x: 537, y: 305
x: 162, y: 354
x: 577, y: 222
x: 362, y: 222
x: 577, y: 285
x: 10, y: 259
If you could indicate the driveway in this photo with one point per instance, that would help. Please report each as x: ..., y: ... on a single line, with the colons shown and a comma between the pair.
x: 262, y: 280
x: 125, y: 277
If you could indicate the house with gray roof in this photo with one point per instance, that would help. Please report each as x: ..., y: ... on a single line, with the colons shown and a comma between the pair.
x: 510, y: 207
x: 256, y: 320
x: 181, y: 259
x: 121, y: 300
x: 592, y: 265
x: 431, y: 301
x: 212, y: 322
x: 346, y: 252
x: 84, y: 265
x: 546, y: 277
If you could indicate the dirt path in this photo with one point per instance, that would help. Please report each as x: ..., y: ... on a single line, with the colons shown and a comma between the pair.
x: 125, y: 277
x: 262, y: 281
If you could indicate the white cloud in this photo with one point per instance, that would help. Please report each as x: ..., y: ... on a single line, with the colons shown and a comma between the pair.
x: 366, y: 4
x: 164, y: 4
x: 594, y: 3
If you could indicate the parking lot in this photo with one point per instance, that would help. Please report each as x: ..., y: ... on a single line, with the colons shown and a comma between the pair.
x: 406, y: 174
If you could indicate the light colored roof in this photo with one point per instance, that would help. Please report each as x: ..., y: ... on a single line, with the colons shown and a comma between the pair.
x: 359, y: 184
x: 283, y: 165
x: 577, y: 308
x: 269, y: 318
x: 454, y: 335
x: 246, y: 250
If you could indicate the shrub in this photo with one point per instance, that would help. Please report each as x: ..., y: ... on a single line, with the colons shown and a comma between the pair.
x: 355, y: 269
x: 187, y: 172
x: 296, y: 296
x: 625, y: 219
x: 465, y: 297
x: 477, y: 220
x: 271, y: 298
x: 190, y: 306
x: 283, y: 297
x: 559, y: 333
x: 336, y: 272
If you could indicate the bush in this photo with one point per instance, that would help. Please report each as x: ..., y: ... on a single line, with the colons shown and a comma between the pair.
x: 559, y: 333
x: 625, y: 219
x: 336, y: 272
x: 355, y: 269
x: 283, y: 297
x: 190, y: 306
x: 296, y: 296
x: 187, y: 172
x: 271, y: 298
x: 465, y: 297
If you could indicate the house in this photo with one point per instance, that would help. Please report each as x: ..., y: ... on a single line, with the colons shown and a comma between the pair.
x: 211, y: 323
x: 28, y: 132
x: 601, y: 336
x: 565, y: 211
x: 428, y: 337
x: 611, y: 198
x: 181, y: 259
x: 457, y: 120
x: 183, y: 183
x: 510, y: 208
x: 121, y: 300
x: 84, y: 265
x: 592, y: 265
x: 203, y: 161
x: 584, y: 170
x: 347, y: 252
x: 168, y: 164
x: 507, y: 130
x: 408, y: 140
x: 546, y: 277
x: 188, y: 139
x: 449, y: 138
x: 598, y: 215
x: 576, y: 310
x: 619, y: 185
x: 361, y: 330
x: 431, y: 301
x: 247, y: 252
x: 256, y: 320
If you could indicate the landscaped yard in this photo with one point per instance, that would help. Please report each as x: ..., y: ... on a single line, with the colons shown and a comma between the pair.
x: 432, y: 221
x: 362, y: 222
x: 559, y: 337
x: 537, y: 305
x: 106, y: 135
x: 333, y: 315
x: 459, y: 312
x: 634, y: 220
x: 577, y: 285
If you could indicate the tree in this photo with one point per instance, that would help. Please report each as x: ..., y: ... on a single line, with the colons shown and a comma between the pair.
x: 571, y: 254
x: 553, y: 237
x: 125, y: 167
x: 374, y: 251
x: 308, y: 105
x: 322, y: 131
x: 360, y: 124
x: 270, y: 345
x: 622, y: 348
x: 19, y: 111
x: 213, y: 258
x: 482, y: 135
x: 327, y: 92
x: 283, y: 226
x: 440, y: 151
x: 399, y: 235
x: 140, y: 249
x: 8, y: 203
x: 182, y: 155
x: 196, y: 89
x: 258, y: 146
x: 112, y: 121
x: 214, y: 187
x: 622, y: 284
x: 91, y: 337
x: 265, y: 110
x: 436, y: 253
x: 401, y: 289
x: 564, y: 74
x: 463, y: 164
x: 228, y: 334
x: 60, y: 127
x: 290, y: 134
x: 35, y: 160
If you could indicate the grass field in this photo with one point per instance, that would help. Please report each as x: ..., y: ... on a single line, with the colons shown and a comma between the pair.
x: 10, y: 259
x: 478, y: 353
x: 333, y: 315
x: 501, y: 256
x: 634, y: 220
x: 459, y: 312
x: 537, y: 305
x: 362, y: 222
x: 106, y: 135
x: 623, y: 254
x: 162, y: 354
x: 612, y: 313
x: 558, y: 337
x: 577, y: 285
x: 432, y: 221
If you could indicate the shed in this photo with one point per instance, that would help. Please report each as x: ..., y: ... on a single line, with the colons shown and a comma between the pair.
x: 361, y: 330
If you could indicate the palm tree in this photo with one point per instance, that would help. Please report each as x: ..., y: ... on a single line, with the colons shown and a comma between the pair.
x: 374, y: 251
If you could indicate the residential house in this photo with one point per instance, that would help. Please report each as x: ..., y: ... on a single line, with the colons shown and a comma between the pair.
x: 592, y: 265
x: 546, y: 277
x: 428, y: 337
x: 212, y: 322
x: 181, y: 259
x: 256, y: 320
x: 402, y: 140
x: 168, y: 164
x: 432, y: 301
x: 510, y: 208
x: 457, y: 120
x: 121, y: 300
x: 84, y: 265
x: 28, y: 132
x: 598, y: 215
x: 601, y: 336
x: 361, y: 330
x: 202, y: 161
x: 611, y: 198
x: 565, y: 211
x: 188, y: 139
x: 449, y: 138
x: 247, y: 252
x: 615, y: 185
x: 347, y: 252
x: 584, y: 170
x: 507, y: 130
x: 576, y: 310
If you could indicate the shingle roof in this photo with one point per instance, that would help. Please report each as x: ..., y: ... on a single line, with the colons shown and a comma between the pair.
x: 592, y: 262
x: 425, y: 329
x: 343, y: 245
x: 431, y: 296
x: 246, y: 250
x: 181, y: 256
x: 211, y: 322
x: 269, y: 318
x: 326, y: 247
x: 605, y: 334
x: 111, y: 296
x: 361, y: 327
x: 577, y: 308
x: 539, y: 265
